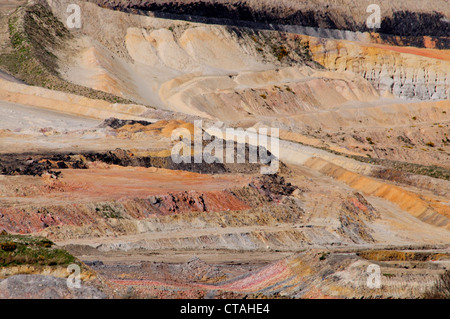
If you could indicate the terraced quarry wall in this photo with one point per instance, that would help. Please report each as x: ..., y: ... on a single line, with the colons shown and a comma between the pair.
x: 402, y: 18
x: 363, y: 175
x: 393, y: 73
x: 67, y: 103
x: 408, y: 201
x: 403, y: 71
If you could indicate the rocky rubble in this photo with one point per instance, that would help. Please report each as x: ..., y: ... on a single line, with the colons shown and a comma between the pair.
x: 44, y: 287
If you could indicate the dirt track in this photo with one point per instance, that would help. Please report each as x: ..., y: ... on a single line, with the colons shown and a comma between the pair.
x: 20, y: 117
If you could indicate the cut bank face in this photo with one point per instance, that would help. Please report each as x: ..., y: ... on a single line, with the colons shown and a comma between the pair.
x: 259, y: 150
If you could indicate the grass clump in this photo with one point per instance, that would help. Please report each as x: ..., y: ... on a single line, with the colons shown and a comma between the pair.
x: 35, y: 34
x: 8, y: 246
x: 28, y: 250
x: 108, y: 211
x: 280, y: 52
x: 289, y: 90
x: 324, y: 256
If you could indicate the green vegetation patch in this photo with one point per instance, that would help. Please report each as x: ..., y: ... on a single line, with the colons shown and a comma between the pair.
x: 35, y: 33
x: 28, y: 250
x: 324, y: 256
x: 280, y: 52
x: 108, y: 210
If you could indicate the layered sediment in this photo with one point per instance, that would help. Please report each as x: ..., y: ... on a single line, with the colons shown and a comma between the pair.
x: 363, y: 117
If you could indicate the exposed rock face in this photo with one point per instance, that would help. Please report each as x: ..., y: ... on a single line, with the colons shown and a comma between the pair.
x: 39, y: 164
x: 231, y: 73
x: 392, y: 70
x: 409, y: 201
x: 355, y: 211
x: 117, y: 123
x: 112, y: 192
x: 310, y: 275
x: 405, y: 72
x: 399, y: 18
x: 197, y: 270
x: 121, y: 215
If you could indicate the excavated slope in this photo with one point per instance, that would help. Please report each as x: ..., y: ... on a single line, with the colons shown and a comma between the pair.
x: 113, y: 201
x: 401, y: 18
